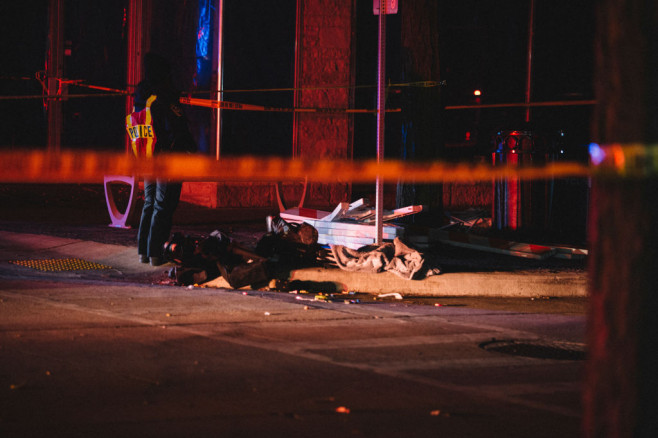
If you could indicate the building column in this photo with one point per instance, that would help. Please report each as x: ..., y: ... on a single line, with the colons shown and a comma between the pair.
x: 324, y: 66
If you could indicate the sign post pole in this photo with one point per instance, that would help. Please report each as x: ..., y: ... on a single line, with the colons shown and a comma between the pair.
x: 381, y: 106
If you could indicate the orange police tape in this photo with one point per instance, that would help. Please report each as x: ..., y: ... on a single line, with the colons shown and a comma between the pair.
x: 222, y: 104
x: 91, y: 167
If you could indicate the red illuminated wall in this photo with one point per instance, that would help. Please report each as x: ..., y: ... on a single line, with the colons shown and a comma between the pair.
x: 324, y: 59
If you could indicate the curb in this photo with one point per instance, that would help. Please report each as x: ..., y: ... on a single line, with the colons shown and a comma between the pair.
x: 493, y: 284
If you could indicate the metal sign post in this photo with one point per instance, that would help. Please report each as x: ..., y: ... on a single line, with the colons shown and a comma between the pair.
x: 531, y: 37
x: 219, y: 71
x: 391, y: 6
x: 381, y: 106
x: 381, y: 8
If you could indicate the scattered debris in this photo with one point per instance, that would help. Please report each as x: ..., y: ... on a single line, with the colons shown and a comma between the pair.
x: 484, y: 243
x: 201, y: 259
x: 497, y: 245
x: 394, y: 257
x: 349, y: 225
x: 395, y: 295
x: 295, y: 240
x: 468, y: 219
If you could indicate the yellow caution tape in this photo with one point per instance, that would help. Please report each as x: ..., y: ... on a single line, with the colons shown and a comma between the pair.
x: 221, y: 104
x: 418, y: 84
x: 91, y: 167
x: 521, y: 105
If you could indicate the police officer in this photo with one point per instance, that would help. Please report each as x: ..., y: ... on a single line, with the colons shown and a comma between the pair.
x: 169, y: 132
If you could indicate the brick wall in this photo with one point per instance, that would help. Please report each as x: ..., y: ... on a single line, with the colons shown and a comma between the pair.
x: 324, y: 60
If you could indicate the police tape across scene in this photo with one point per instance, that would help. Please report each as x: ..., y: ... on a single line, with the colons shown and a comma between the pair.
x: 90, y: 167
x: 222, y: 104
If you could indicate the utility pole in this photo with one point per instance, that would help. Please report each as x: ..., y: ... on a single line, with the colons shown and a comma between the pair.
x: 621, y: 384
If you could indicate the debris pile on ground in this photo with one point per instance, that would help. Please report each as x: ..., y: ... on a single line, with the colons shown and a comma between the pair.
x: 203, y: 258
x: 286, y: 246
x: 351, y: 225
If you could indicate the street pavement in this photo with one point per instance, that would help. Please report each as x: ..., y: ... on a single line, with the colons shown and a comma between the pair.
x: 92, y: 357
x: 114, y: 350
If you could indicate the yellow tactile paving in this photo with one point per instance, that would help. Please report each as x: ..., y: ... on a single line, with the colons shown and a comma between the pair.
x: 57, y: 265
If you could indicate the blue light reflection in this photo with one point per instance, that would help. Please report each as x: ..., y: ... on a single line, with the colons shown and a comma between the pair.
x: 596, y: 154
x: 203, y: 43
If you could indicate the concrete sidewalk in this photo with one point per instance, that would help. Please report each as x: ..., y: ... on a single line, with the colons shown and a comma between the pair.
x: 475, y: 280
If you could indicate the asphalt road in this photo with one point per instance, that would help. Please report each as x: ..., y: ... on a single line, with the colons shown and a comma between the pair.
x: 109, y: 354
x: 88, y: 357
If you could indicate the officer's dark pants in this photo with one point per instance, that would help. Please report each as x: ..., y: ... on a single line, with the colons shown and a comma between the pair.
x: 160, y: 201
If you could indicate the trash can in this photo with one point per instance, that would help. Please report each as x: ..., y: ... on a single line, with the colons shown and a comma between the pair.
x: 523, y: 205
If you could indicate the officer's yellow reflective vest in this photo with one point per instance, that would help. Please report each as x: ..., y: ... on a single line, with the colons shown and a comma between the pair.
x: 139, y: 125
